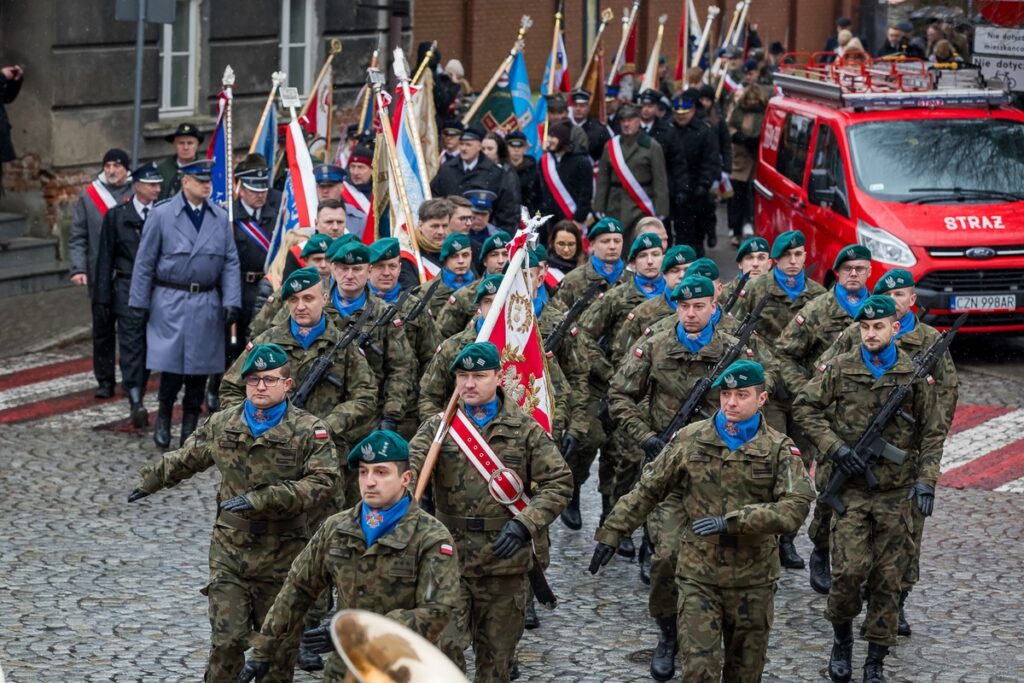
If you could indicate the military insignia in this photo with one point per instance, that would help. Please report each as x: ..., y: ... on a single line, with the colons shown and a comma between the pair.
x: 320, y: 433
x: 687, y: 292
x: 601, y: 295
x: 451, y: 299
x: 869, y: 311
x: 647, y: 242
x: 630, y: 316
x: 467, y: 363
x: 367, y: 452
x: 822, y: 367
x: 790, y: 281
x: 929, y: 379
x: 446, y: 549
x: 731, y: 428
x: 373, y: 519
x: 520, y: 313
x: 574, y: 331
x: 800, y: 320
x: 438, y: 349
x: 349, y: 258
x: 730, y: 381
x: 639, y: 353
x: 397, y: 323
x: 490, y: 288
x: 890, y: 281
x: 480, y: 362
x: 296, y: 285
x: 248, y: 346
x: 260, y: 364
x: 794, y: 450
x: 750, y: 353
x: 743, y: 293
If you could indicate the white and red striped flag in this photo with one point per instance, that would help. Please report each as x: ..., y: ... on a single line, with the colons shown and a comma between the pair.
x: 300, y: 170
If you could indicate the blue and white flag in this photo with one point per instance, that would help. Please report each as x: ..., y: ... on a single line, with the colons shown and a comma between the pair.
x: 522, y: 99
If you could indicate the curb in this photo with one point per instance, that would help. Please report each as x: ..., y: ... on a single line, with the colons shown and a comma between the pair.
x: 75, y: 334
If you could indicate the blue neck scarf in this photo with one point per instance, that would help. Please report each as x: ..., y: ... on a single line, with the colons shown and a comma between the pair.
x: 483, y: 413
x: 478, y: 324
x: 735, y: 434
x: 716, y: 316
x: 305, y: 336
x: 350, y: 308
x: 390, y: 296
x: 850, y: 301
x: 694, y: 343
x: 792, y: 286
x: 260, y: 421
x: 879, y: 363
x: 456, y: 282
x: 376, y: 523
x: 907, y: 323
x: 540, y: 301
x: 649, y: 287
x: 609, y: 271
x: 668, y: 299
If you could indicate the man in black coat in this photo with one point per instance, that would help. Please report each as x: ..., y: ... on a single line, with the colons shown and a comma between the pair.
x: 10, y: 86
x: 119, y: 239
x: 597, y: 133
x: 473, y: 171
x: 693, y: 209
x: 662, y: 130
x: 573, y: 171
x: 526, y: 168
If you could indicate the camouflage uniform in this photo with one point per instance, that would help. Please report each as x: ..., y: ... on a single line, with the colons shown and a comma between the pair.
x: 268, y: 316
x: 437, y: 299
x: 493, y: 591
x: 779, y: 310
x: 726, y: 582
x: 287, y: 473
x: 872, y: 542
x: 423, y: 338
x: 408, y: 575
x: 457, y: 310
x: 727, y: 290
x: 436, y: 382
x: 638, y: 322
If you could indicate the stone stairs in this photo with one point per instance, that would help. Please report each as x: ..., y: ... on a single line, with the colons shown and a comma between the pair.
x: 28, y: 264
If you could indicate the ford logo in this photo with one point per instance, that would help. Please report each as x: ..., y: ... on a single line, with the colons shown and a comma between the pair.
x: 980, y: 252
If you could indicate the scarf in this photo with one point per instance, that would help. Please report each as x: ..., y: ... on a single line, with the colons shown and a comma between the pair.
x: 350, y: 308
x: 260, y: 421
x: 694, y: 342
x: 305, y: 336
x: 792, y: 286
x: 649, y: 287
x: 376, y: 523
x: 668, y: 299
x: 390, y: 296
x: 478, y: 324
x: 850, y: 301
x: 483, y: 413
x: 879, y: 363
x: 907, y: 324
x: 559, y: 262
x: 735, y: 434
x: 425, y: 244
x: 716, y: 316
x: 609, y: 271
x: 540, y: 301
x: 456, y: 282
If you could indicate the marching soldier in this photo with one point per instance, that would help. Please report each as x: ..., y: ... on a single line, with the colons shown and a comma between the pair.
x: 872, y: 541
x: 460, y: 307
x: 808, y: 335
x: 277, y: 466
x: 115, y: 259
x: 186, y: 140
x: 738, y: 483
x: 456, y: 273
x: 383, y: 554
x: 597, y: 133
x: 493, y: 548
x: 753, y: 259
x: 693, y: 209
x: 314, y: 253
x: 647, y: 313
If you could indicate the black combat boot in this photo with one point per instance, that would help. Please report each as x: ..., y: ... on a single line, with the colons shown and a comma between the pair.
x: 137, y: 411
x: 788, y: 555
x: 309, y: 661
x: 627, y: 547
x: 162, y: 428
x: 606, y: 508
x: 571, y: 514
x: 903, y: 627
x: 874, y: 665
x: 188, y: 425
x: 532, y: 620
x: 821, y: 571
x: 213, y: 393
x: 663, y: 663
x: 840, y: 662
x: 646, y: 552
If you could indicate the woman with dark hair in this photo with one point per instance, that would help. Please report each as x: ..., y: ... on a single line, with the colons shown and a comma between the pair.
x: 565, y: 249
x: 495, y: 148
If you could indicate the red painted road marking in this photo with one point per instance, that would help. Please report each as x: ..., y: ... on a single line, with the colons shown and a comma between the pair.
x: 968, y: 416
x: 125, y: 425
x: 990, y: 470
x: 43, y: 373
x: 62, y: 404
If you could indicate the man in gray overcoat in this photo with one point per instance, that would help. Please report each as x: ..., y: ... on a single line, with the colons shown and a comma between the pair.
x: 186, y: 280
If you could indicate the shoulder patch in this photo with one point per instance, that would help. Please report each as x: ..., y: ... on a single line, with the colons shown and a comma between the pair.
x: 800, y: 320
x: 639, y: 353
x: 248, y: 346
x: 647, y: 331
x: 743, y: 293
x: 794, y: 450
x: 630, y: 316
x: 823, y: 367
x: 750, y: 352
x: 397, y: 322
x: 446, y: 549
x: 451, y: 299
x: 574, y: 331
x: 438, y: 349
x: 320, y: 433
x: 600, y: 295
x: 929, y: 379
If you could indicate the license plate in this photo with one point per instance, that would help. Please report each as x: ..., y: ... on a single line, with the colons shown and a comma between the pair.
x: 984, y: 302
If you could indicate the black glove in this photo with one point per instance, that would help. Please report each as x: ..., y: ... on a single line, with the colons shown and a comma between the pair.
x: 512, y: 538
x: 388, y: 425
x: 603, y: 554
x: 236, y: 504
x: 318, y: 640
x: 653, y: 446
x: 230, y: 314
x: 709, y: 526
x: 605, y: 418
x: 925, y: 498
x: 569, y: 445
x: 847, y: 460
x: 136, y: 494
x: 253, y: 670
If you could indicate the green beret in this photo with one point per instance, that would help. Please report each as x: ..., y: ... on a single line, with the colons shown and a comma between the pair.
x: 489, y: 285
x: 742, y: 373
x: 679, y: 255
x: 379, y: 446
x: 851, y: 252
x: 875, y: 307
x: 498, y: 240
x: 318, y: 243
x: 704, y: 266
x: 693, y: 287
x: 453, y: 244
x: 542, y: 253
x: 384, y: 249
x: 791, y: 239
x: 532, y: 259
x: 351, y: 254
x: 643, y: 242
x: 337, y: 244
x: 605, y: 226
x: 753, y: 245
x: 299, y: 280
x: 268, y: 357
x: 477, y: 356
x: 897, y: 278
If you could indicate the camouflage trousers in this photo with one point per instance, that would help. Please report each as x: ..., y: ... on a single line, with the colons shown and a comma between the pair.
x: 490, y: 618
x: 587, y: 451
x: 629, y: 458
x: 871, y: 544
x: 912, y: 574
x: 665, y: 526
x: 821, y: 517
x: 723, y: 632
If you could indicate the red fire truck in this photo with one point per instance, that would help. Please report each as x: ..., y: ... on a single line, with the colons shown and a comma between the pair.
x: 922, y: 165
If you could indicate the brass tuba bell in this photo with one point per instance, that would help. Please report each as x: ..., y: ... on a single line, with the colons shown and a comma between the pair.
x: 376, y: 649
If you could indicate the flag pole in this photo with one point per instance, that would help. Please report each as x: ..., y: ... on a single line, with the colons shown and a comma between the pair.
x: 276, y: 78
x: 717, y: 65
x: 228, y: 81
x: 401, y: 69
x: 335, y: 50
x: 627, y: 29
x: 651, y: 74
x: 606, y: 16
x: 732, y: 39
x: 704, y: 36
x: 524, y: 25
x: 423, y: 65
x: 552, y: 66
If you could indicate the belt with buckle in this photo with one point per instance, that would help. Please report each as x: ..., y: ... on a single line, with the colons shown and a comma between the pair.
x: 191, y: 287
x: 261, y: 526
x: 471, y: 523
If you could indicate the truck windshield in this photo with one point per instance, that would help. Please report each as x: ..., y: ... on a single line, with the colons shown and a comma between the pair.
x: 943, y: 161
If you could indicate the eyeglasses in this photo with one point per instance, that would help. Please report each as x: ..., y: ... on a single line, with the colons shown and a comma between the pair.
x: 269, y: 382
x: 854, y: 269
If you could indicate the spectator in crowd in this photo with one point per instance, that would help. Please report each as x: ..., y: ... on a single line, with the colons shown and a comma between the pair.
x: 565, y: 248
x: 451, y: 132
x: 834, y: 41
x: 568, y: 191
x: 745, y: 124
x: 844, y: 38
x: 944, y: 53
x: 526, y: 169
x: 710, y: 110
x: 472, y: 170
x: 11, y: 78
x: 495, y: 148
x: 186, y: 140
x: 898, y: 41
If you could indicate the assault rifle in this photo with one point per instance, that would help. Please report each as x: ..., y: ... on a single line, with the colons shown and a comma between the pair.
x: 323, y: 363
x: 740, y: 284
x: 554, y: 340
x: 365, y: 338
x: 871, y: 447
x: 424, y: 301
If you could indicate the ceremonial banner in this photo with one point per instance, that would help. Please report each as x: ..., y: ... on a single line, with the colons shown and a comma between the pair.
x: 220, y: 154
x: 560, y: 73
x: 266, y: 138
x: 317, y: 119
x: 522, y: 99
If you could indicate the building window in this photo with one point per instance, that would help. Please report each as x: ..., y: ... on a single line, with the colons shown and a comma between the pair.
x: 179, y: 49
x: 298, y: 37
